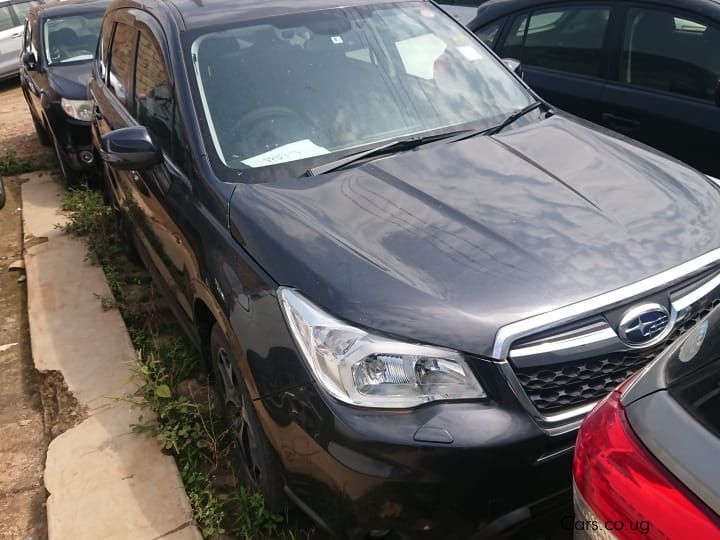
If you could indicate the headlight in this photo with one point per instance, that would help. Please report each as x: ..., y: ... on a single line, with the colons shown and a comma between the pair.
x: 369, y: 370
x: 76, y: 108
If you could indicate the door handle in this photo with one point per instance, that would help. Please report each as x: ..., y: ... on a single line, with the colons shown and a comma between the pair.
x: 620, y: 123
x: 16, y: 35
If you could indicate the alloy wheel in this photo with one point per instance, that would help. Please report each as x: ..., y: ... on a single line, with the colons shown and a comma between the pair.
x: 236, y: 409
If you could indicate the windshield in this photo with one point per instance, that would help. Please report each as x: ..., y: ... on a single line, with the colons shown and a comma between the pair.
x: 329, y: 83
x: 72, y: 38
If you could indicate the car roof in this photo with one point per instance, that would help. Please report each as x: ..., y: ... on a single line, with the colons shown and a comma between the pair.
x: 200, y: 13
x: 69, y: 7
x: 493, y: 9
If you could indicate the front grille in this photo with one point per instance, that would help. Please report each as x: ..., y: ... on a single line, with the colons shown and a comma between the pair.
x: 558, y: 387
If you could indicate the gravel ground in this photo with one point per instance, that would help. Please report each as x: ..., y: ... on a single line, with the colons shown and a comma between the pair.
x: 23, y: 441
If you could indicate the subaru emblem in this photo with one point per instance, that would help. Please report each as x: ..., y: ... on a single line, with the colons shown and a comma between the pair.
x: 644, y: 325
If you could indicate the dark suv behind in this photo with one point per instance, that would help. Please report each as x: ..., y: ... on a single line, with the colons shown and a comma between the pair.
x: 411, y: 276
x: 648, y: 69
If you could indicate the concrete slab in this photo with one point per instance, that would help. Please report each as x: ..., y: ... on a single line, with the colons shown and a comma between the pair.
x: 42, y: 205
x: 138, y: 508
x: 69, y: 329
x: 104, y: 481
x: 110, y: 452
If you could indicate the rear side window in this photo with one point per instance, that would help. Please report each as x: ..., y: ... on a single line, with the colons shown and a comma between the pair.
x: 122, y: 58
x: 568, y: 39
x: 671, y: 53
x: 489, y: 33
x: 153, y: 100
x: 6, y: 20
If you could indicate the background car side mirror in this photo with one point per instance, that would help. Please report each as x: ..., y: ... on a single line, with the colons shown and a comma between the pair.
x: 130, y: 149
x: 29, y: 61
x: 514, y: 65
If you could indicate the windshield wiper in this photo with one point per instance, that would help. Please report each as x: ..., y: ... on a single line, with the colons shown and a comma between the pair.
x: 514, y: 116
x: 505, y: 123
x: 393, y: 147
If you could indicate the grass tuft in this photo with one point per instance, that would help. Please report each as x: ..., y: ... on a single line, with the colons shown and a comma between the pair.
x: 12, y: 165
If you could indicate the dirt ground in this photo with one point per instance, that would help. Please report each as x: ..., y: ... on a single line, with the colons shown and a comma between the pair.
x: 16, y: 128
x: 23, y: 441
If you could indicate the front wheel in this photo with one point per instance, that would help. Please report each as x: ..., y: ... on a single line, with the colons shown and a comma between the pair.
x: 42, y: 134
x: 258, y: 465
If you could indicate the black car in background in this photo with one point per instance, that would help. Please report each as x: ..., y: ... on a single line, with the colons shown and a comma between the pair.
x: 412, y: 278
x: 58, y: 51
x: 463, y: 10
x: 646, y: 458
x: 647, y: 69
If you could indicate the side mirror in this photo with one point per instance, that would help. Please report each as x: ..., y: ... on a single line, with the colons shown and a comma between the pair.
x: 130, y: 149
x: 514, y: 65
x: 29, y: 61
x: 2, y: 193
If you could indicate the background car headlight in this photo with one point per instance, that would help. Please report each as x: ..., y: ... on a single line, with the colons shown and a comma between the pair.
x: 78, y: 109
x: 369, y: 370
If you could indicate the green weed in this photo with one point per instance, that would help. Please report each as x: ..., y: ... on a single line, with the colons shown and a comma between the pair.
x: 12, y: 165
x: 170, y: 385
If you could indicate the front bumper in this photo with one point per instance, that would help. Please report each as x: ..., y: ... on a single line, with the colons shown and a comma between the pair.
x: 444, y: 470
x: 75, y: 140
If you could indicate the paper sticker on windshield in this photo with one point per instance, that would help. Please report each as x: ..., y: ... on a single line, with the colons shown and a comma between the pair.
x: 337, y: 40
x: 470, y: 52
x: 427, y: 14
x: 289, y: 152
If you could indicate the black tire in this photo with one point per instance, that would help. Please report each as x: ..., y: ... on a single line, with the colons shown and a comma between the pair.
x: 42, y: 134
x: 258, y: 466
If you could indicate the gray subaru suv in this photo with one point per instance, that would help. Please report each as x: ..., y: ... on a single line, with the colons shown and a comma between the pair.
x: 12, y: 21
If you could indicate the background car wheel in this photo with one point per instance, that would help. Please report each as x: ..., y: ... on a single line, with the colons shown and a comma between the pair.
x: 258, y: 466
x: 61, y: 161
x: 42, y: 134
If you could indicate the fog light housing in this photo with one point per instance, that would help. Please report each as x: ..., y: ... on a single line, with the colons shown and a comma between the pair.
x: 87, y: 157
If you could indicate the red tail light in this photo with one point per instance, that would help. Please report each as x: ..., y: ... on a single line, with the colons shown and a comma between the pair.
x: 626, y: 490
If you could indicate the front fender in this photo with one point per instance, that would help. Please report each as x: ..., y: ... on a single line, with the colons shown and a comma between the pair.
x: 243, y: 300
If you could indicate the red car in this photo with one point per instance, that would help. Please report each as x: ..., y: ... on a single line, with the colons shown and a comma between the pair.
x: 647, y: 460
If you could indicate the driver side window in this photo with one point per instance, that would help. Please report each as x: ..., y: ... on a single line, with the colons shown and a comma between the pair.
x: 153, y: 103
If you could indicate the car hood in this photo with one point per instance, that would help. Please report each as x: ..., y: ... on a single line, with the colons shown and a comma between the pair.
x: 70, y: 81
x: 448, y: 243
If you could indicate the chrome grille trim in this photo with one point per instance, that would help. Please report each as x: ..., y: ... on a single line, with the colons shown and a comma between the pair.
x: 569, y: 420
x: 681, y: 304
x: 597, y: 336
x: 512, y: 332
